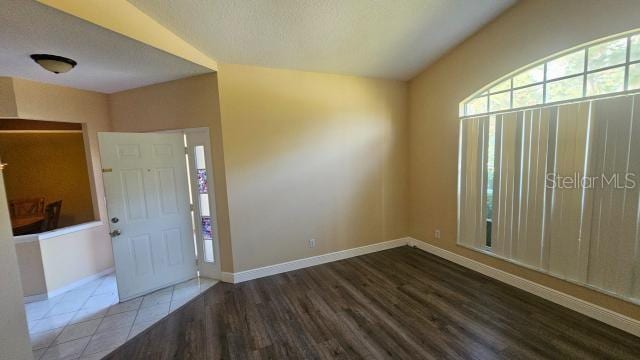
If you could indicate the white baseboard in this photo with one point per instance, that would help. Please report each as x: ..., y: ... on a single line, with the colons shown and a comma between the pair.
x: 246, y: 275
x: 34, y: 298
x: 226, y: 277
x: 78, y: 283
x: 607, y: 316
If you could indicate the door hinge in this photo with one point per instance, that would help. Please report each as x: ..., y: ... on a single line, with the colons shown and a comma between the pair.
x: 197, y: 262
x: 192, y: 207
x: 186, y: 150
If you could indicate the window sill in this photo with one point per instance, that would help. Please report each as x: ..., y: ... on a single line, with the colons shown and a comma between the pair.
x: 57, y: 232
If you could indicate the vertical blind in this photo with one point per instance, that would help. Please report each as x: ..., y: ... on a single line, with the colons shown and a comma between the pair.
x: 556, y: 189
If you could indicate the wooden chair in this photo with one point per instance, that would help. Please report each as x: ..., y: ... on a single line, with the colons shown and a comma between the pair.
x: 52, y: 215
x: 25, y: 208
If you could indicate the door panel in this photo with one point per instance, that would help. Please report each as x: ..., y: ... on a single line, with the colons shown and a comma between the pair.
x: 167, y: 191
x: 146, y: 185
x: 136, y: 204
x: 140, y: 247
x: 173, y: 244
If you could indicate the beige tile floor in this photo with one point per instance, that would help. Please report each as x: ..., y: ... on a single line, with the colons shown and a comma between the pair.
x: 89, y: 322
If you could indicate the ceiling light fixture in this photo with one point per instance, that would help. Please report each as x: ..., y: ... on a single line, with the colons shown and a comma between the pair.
x: 55, y: 64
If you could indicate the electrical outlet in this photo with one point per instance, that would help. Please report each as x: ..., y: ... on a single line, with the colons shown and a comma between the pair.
x: 436, y: 234
x: 312, y: 243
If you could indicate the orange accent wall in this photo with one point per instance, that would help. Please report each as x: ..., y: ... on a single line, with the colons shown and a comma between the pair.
x: 52, y: 165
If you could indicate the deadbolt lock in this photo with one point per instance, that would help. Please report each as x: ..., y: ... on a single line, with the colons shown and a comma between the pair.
x: 114, y: 220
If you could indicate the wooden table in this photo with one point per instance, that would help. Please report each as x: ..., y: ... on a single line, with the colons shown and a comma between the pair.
x: 27, y: 225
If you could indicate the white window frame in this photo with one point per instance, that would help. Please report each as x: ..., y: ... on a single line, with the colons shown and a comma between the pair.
x: 484, y: 92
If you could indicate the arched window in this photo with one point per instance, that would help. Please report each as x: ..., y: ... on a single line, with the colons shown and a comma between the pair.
x: 608, y: 66
x: 549, y: 167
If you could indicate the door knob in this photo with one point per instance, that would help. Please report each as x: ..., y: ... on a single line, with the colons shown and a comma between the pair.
x: 115, y: 233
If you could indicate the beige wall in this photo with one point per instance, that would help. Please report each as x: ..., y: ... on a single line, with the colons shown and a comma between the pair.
x: 31, y: 269
x: 74, y: 256
x: 53, y: 165
x: 523, y: 34
x: 14, y: 338
x: 39, y: 101
x: 311, y: 155
x: 180, y: 104
x: 185, y: 103
x: 7, y: 98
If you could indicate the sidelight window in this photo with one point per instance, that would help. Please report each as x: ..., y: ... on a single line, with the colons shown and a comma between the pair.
x: 206, y: 223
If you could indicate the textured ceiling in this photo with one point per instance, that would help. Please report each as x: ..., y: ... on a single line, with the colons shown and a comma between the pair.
x: 380, y: 38
x: 107, y: 62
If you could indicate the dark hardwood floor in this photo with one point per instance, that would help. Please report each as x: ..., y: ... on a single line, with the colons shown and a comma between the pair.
x: 401, y: 303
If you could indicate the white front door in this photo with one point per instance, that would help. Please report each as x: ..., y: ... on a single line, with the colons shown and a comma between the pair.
x: 145, y: 180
